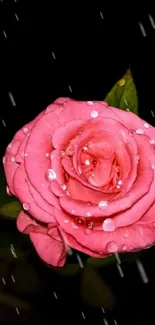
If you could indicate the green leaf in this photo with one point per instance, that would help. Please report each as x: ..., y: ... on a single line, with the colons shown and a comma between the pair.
x: 67, y: 270
x: 10, y: 210
x: 32, y: 284
x: 9, y: 205
x: 124, y: 257
x: 123, y: 94
x: 94, y: 290
x: 101, y: 262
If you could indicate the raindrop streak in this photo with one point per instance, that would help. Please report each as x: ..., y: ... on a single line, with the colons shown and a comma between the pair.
x: 103, y: 310
x: 142, y: 29
x: 152, y: 113
x: 151, y: 21
x: 55, y: 295
x: 142, y: 271
x: 3, y: 123
x: 101, y: 15
x: 54, y: 57
x: 17, y: 311
x: 13, y: 279
x: 70, y: 88
x: 105, y: 321
x: 3, y: 280
x: 69, y: 252
x: 4, y: 34
x: 120, y: 270
x: 79, y: 260
x: 126, y: 103
x: 12, y: 99
x: 117, y: 258
x: 115, y: 322
x: 13, y: 251
x: 83, y: 315
x: 16, y: 17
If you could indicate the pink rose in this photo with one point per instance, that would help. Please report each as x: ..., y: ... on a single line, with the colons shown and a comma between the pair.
x: 85, y: 175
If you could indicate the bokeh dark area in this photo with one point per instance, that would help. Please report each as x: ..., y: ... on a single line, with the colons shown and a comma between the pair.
x: 48, y: 50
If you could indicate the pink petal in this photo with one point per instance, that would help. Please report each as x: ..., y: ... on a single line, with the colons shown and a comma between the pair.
x: 82, y: 193
x: 134, y: 237
x: 49, y: 249
x: 25, y: 223
x: 145, y: 176
x: 132, y: 121
x: 37, y: 163
x: 23, y: 194
x: 10, y: 167
x: 63, y: 134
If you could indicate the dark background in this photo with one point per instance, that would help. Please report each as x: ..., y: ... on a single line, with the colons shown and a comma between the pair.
x: 50, y: 50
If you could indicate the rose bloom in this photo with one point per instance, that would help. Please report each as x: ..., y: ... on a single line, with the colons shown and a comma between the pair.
x: 85, y: 175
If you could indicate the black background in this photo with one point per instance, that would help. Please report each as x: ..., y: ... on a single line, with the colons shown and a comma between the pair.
x: 93, y: 46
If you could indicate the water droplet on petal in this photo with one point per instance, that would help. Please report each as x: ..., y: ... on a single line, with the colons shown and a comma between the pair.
x: 137, y: 158
x: 87, y: 162
x: 4, y: 160
x: 79, y: 170
x: 25, y: 154
x: 51, y: 174
x: 141, y: 231
x: 63, y: 187
x: 146, y: 125
x: 7, y: 190
x: 47, y: 154
x: 94, y: 114
x: 89, y: 214
x: 140, y: 131
x: 103, y: 204
x: 90, y: 225
x: 153, y: 166
x: 26, y: 206
x: 125, y: 235
x: 85, y: 148
x: 152, y: 141
x: 108, y: 225
x: 73, y: 211
x: 25, y: 130
x: 88, y: 231
x: 120, y: 182
x: 89, y: 103
x: 112, y: 247
x: 67, y: 193
x: 62, y: 153
x: 74, y: 226
x: 66, y: 221
x: 13, y: 159
x: 10, y: 145
x: 124, y: 248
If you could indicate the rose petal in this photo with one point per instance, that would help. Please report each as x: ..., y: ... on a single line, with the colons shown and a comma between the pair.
x: 25, y: 223
x: 98, y: 242
x: 49, y: 249
x: 23, y: 194
x: 37, y: 163
x: 115, y: 206
x: 132, y: 121
x: 85, y: 194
